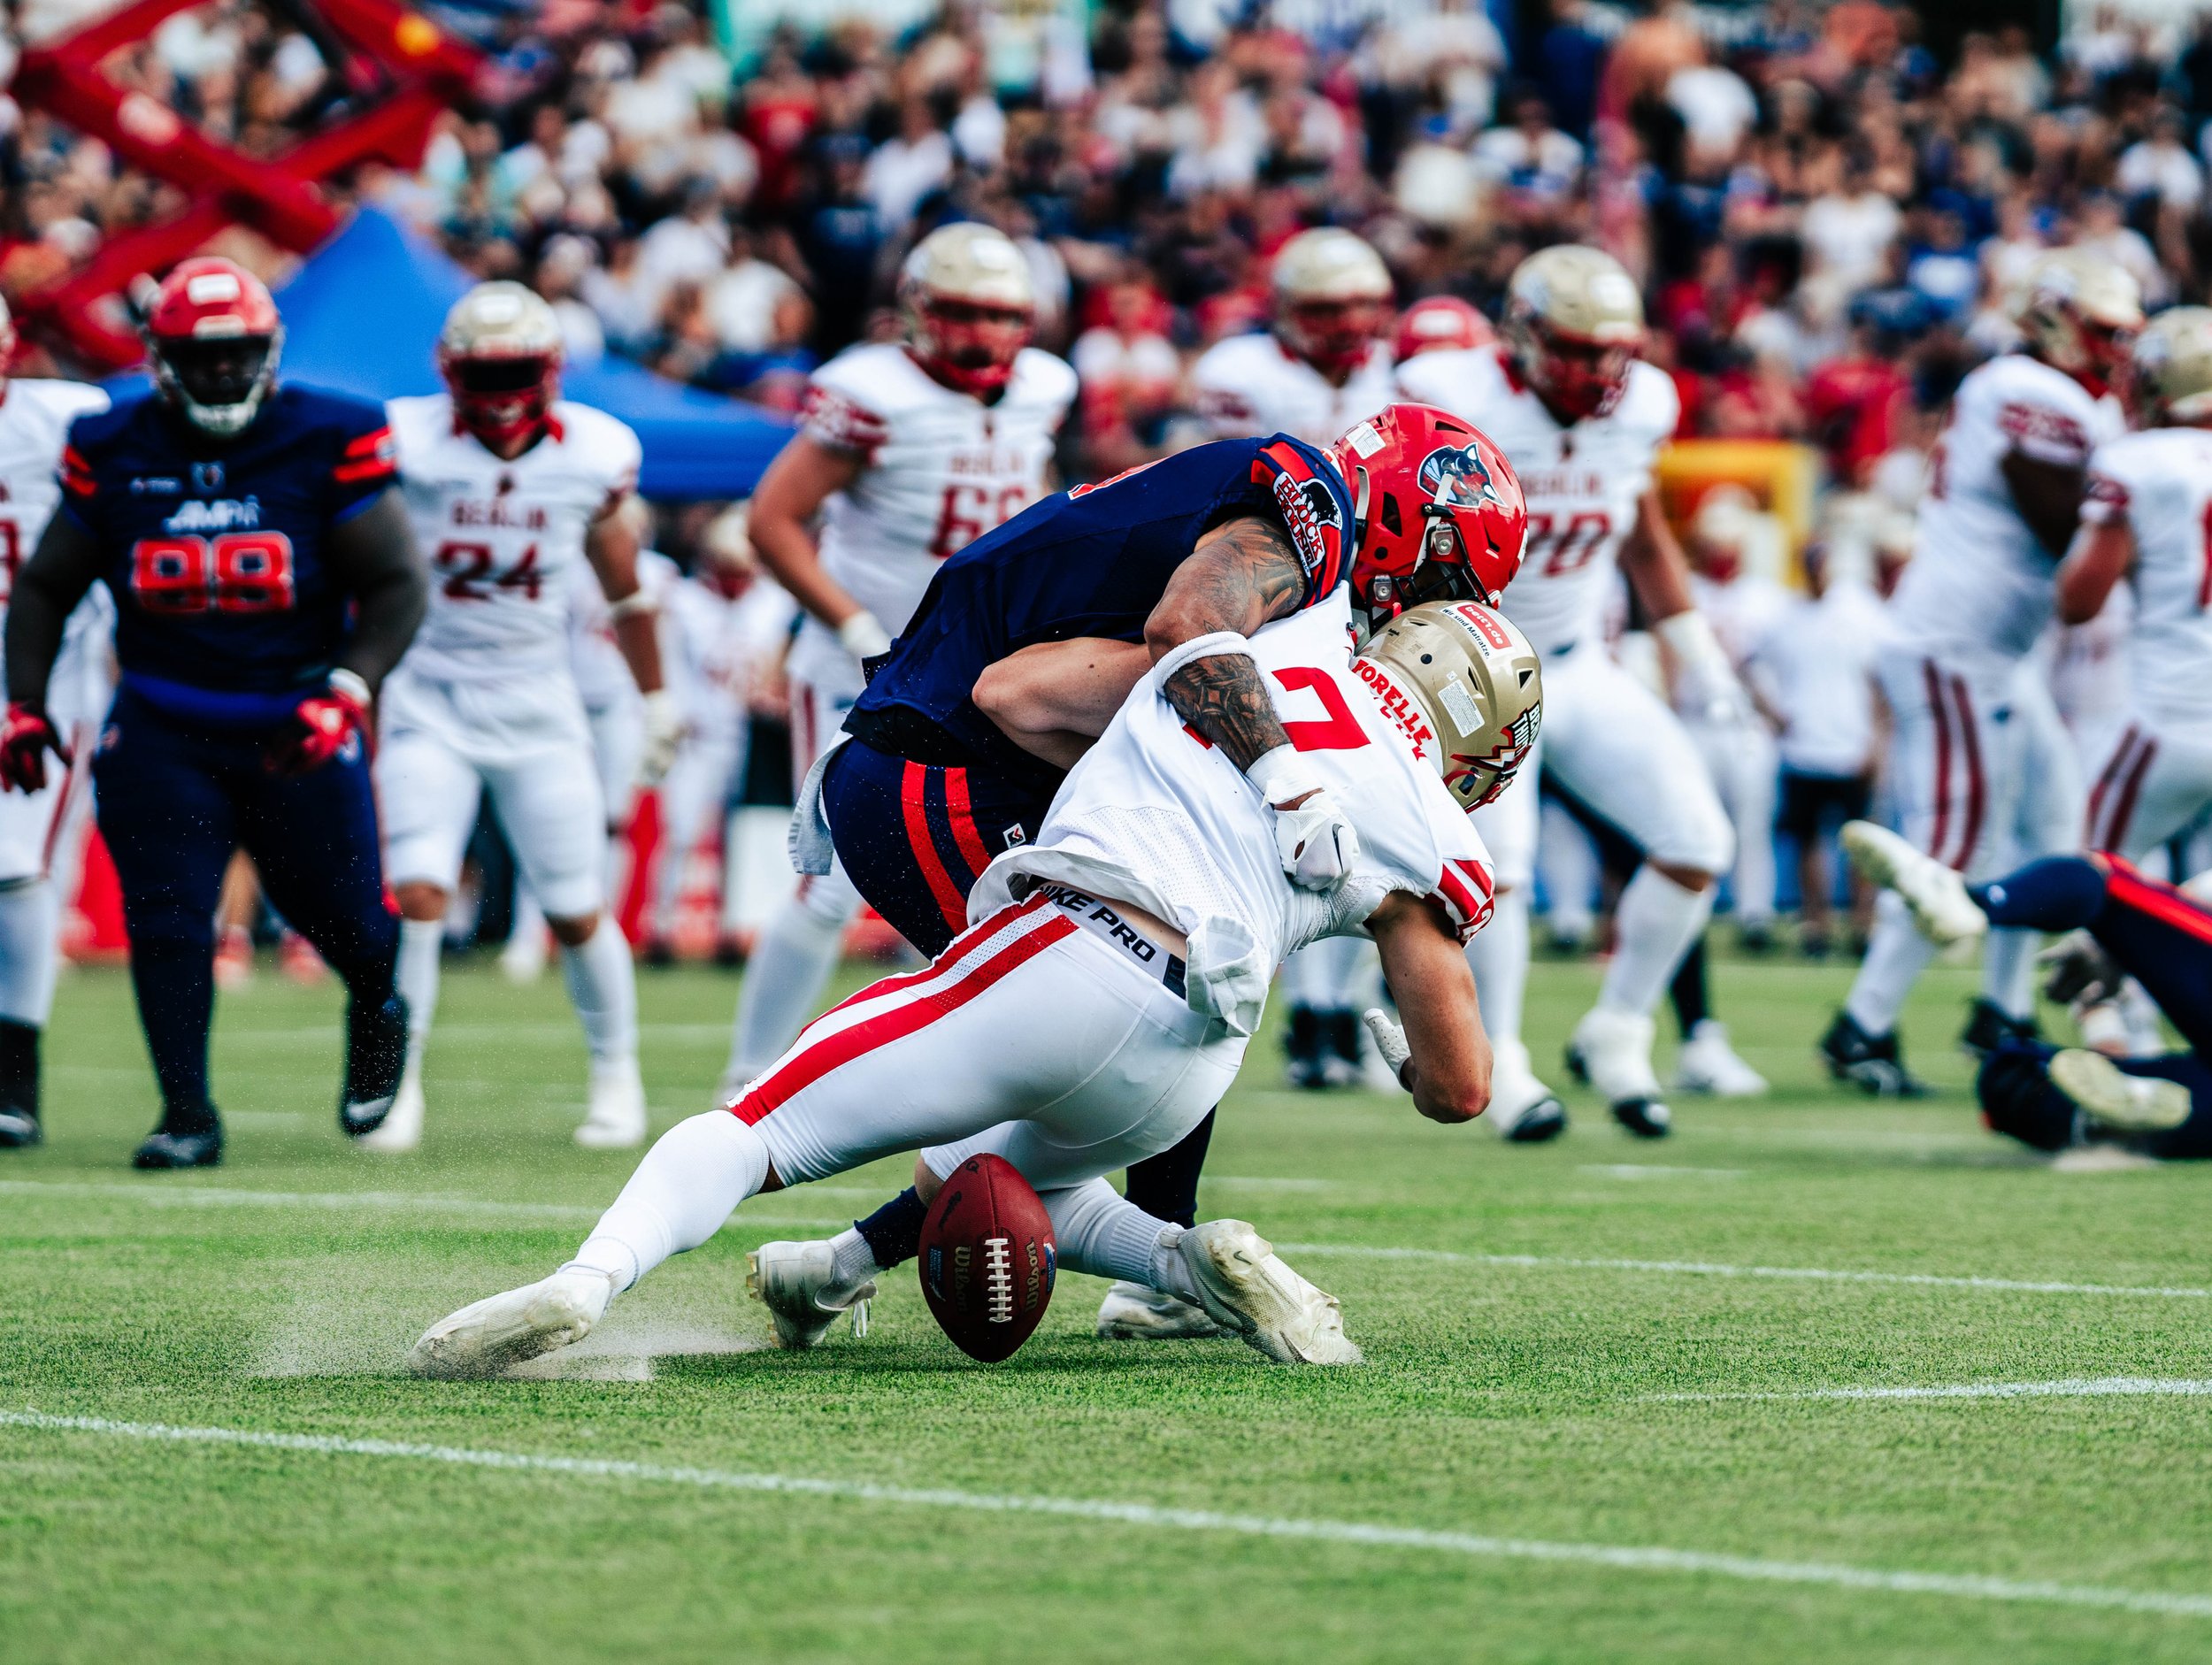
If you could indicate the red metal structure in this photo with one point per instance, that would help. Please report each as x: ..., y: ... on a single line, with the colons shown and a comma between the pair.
x: 404, y: 69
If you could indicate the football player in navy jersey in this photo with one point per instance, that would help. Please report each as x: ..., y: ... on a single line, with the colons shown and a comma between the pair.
x: 265, y: 581
x: 1029, y: 639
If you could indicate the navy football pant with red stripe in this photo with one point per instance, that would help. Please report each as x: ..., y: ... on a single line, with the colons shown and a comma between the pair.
x: 172, y: 803
x: 913, y: 837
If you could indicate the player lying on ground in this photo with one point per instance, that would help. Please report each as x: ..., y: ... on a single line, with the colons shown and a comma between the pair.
x: 1099, y: 1005
x: 2132, y: 926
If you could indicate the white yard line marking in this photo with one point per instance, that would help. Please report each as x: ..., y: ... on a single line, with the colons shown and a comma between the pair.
x: 1964, y: 1586
x: 1706, y: 1269
x: 1658, y: 1170
x: 2072, y: 1387
x: 340, y: 1202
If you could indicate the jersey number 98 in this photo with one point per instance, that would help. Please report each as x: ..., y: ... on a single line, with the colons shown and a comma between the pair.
x: 237, y: 572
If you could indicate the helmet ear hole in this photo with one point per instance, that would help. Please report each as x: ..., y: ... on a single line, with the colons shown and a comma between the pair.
x: 1391, y: 520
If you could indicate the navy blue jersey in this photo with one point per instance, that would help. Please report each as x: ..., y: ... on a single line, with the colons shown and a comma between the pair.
x: 1090, y: 562
x: 226, y: 609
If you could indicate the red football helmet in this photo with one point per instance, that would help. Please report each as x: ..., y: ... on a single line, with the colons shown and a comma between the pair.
x: 500, y: 353
x: 212, y: 340
x: 1439, y: 514
x: 1439, y: 322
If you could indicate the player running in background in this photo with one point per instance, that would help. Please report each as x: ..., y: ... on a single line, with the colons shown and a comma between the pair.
x: 908, y: 452
x: 947, y: 762
x: 35, y: 825
x: 511, y: 489
x: 1323, y: 365
x: 2003, y: 504
x: 265, y: 581
x: 1100, y: 1001
x: 1581, y: 418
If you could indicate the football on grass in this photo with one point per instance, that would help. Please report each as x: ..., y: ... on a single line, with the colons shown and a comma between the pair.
x: 987, y: 1258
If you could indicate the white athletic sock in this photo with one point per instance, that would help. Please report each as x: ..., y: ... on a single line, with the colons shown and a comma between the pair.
x: 853, y: 1259
x: 1098, y: 1231
x: 30, y: 951
x: 1499, y: 958
x: 784, y: 980
x: 1896, y: 953
x: 1654, y: 926
x: 421, y: 943
x: 602, y: 988
x: 689, y: 1183
x: 2009, y: 969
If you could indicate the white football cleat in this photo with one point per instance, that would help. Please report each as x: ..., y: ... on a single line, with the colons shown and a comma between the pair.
x: 1523, y: 1110
x: 797, y: 1283
x: 1941, y: 909
x: 1245, y: 1287
x: 400, y: 1130
x: 1130, y: 1312
x: 616, y: 1120
x: 2116, y: 1099
x: 1612, y: 1052
x: 1707, y: 1064
x: 487, y: 1338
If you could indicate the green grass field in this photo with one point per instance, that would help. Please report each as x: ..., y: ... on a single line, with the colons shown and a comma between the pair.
x: 1552, y: 1454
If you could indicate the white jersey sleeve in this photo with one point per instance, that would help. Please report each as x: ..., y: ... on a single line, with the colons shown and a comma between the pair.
x: 1980, y: 585
x: 1583, y: 483
x: 34, y: 419
x: 1156, y: 816
x: 2160, y: 483
x: 1250, y: 385
x: 505, y: 540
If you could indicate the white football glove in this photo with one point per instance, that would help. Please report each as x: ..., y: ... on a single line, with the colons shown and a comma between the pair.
x: 664, y: 732
x: 1707, y: 682
x: 863, y: 637
x: 1390, y: 1041
x: 1314, y: 839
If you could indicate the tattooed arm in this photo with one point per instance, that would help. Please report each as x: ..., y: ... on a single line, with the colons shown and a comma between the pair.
x: 1243, y: 573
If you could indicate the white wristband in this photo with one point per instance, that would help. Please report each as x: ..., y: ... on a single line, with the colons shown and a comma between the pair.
x: 1282, y: 774
x: 351, y: 685
x: 863, y: 637
x: 630, y: 606
x: 1211, y: 646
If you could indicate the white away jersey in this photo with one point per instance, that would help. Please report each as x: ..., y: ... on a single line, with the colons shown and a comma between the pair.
x: 1155, y: 816
x: 1979, y: 585
x: 505, y: 541
x: 1250, y: 385
x: 2160, y: 483
x: 34, y: 419
x: 1583, y: 483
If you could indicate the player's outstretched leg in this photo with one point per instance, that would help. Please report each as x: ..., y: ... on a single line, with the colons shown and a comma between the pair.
x: 28, y: 952
x: 1166, y: 1187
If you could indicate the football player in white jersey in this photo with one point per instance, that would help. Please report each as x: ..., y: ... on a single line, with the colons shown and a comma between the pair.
x: 2146, y: 515
x: 1581, y: 418
x: 2003, y: 501
x: 1101, y: 998
x: 34, y: 419
x: 1326, y: 364
x: 510, y: 488
x: 908, y: 452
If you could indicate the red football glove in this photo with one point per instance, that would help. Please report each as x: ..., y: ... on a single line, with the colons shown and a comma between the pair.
x: 26, y: 737
x: 319, y: 727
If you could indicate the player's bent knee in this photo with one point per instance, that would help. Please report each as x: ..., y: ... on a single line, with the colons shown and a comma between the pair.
x: 1689, y: 877
x: 425, y: 903
x: 574, y: 932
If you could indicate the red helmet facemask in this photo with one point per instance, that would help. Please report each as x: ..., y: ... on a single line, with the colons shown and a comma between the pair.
x: 1333, y: 336
x: 971, y: 346
x: 1440, y: 513
x: 503, y: 397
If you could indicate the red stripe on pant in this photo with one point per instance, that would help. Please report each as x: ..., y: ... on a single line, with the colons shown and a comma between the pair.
x: 963, y: 828
x: 1970, y: 743
x: 2162, y: 902
x: 913, y: 787
x: 2115, y: 766
x: 2124, y: 806
x: 960, y: 945
x: 810, y: 1064
x: 1943, y: 757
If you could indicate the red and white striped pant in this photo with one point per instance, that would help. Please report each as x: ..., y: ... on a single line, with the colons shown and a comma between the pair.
x: 1959, y: 750
x: 2154, y: 782
x: 1029, y: 1036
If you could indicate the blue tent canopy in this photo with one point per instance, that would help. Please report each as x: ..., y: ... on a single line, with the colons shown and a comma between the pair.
x: 362, y: 316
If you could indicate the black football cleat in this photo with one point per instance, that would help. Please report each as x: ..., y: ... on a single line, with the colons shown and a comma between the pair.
x: 1989, y: 1026
x: 658, y: 953
x: 376, y: 1051
x: 19, y: 1128
x: 1543, y: 1122
x: 1646, y: 1118
x: 19, y: 1086
x: 200, y: 1146
x: 1871, y: 1063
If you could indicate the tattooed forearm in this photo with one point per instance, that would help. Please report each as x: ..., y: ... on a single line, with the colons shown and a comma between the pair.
x: 1243, y: 573
x: 1223, y: 699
